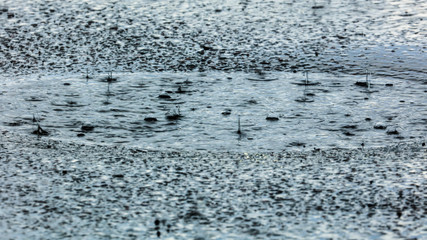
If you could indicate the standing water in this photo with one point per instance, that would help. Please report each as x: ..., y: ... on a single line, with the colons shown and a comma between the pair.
x: 339, y: 113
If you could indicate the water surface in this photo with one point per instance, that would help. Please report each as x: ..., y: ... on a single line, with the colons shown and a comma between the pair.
x: 333, y: 112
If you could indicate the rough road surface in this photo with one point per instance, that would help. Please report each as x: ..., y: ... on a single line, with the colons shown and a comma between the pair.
x: 54, y: 190
x: 387, y: 37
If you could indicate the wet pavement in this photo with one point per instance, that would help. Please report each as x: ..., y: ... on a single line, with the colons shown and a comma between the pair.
x: 56, y: 190
x: 386, y: 37
x: 119, y: 119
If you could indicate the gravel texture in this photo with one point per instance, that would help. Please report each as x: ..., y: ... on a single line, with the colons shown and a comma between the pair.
x: 57, y: 190
x: 387, y: 37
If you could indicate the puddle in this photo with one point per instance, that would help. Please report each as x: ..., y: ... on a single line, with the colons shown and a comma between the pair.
x: 205, y: 115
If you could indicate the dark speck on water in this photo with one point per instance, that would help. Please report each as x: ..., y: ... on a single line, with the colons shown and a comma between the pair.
x: 272, y: 118
x: 150, y: 119
x: 164, y: 96
x: 87, y: 128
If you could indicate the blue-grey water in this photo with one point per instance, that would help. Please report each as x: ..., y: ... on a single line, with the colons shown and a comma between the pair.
x: 333, y: 113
